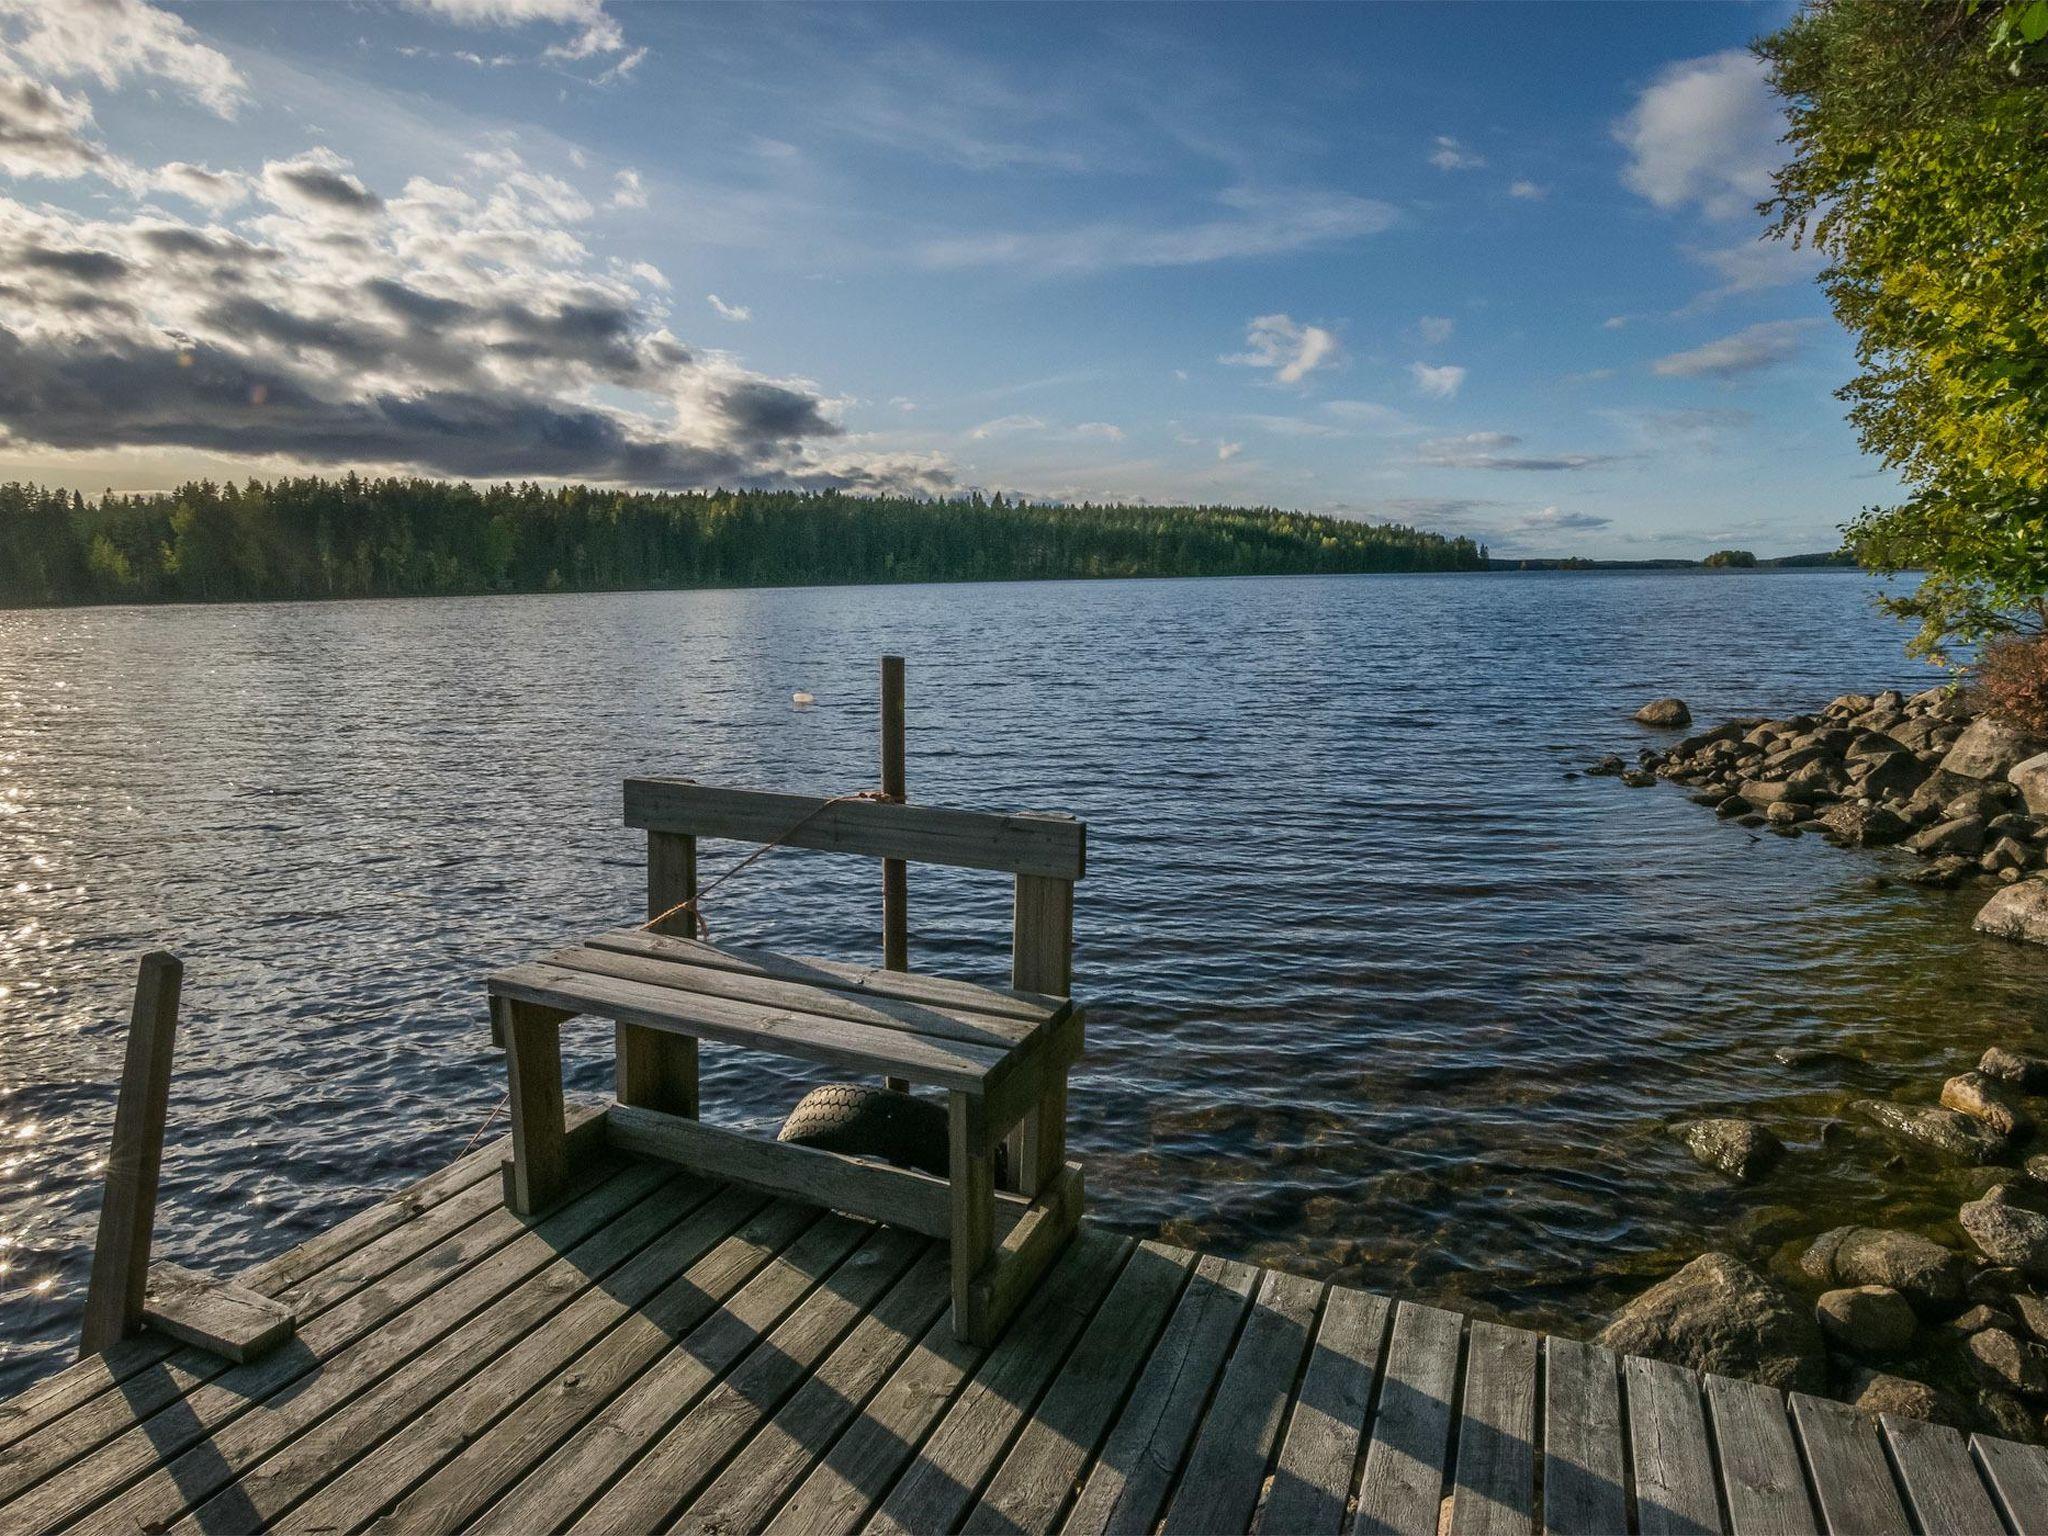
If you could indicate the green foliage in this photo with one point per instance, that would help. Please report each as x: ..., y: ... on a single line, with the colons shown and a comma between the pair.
x: 1737, y: 558
x: 317, y: 538
x: 1920, y: 168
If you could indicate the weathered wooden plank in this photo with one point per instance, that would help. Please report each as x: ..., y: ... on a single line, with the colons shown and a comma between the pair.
x: 1673, y: 1463
x: 1034, y: 1482
x: 1850, y: 1474
x: 1494, y: 1492
x: 553, y: 1493
x: 1400, y: 1492
x: 970, y: 1229
x: 111, y: 1414
x: 219, y: 1316
x: 809, y: 1036
x: 69, y: 1389
x: 1942, y: 1485
x: 922, y: 834
x: 1585, y: 1472
x: 918, y: 1018
x: 1760, y: 1472
x: 1128, y: 1483
x: 1042, y: 960
x: 743, y: 1496
x: 1220, y: 1485
x: 1326, y: 1425
x: 944, y: 1480
x: 196, y: 1445
x: 655, y: 1069
x: 895, y: 873
x: 539, y: 1171
x: 837, y: 975
x: 120, y: 1255
x: 2018, y: 1474
x: 677, y: 1466
x: 530, y: 1432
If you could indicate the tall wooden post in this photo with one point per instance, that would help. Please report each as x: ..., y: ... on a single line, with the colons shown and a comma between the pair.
x: 895, y: 873
x: 657, y: 1070
x: 120, y: 1258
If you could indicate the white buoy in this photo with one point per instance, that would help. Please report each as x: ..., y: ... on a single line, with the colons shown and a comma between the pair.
x: 801, y: 699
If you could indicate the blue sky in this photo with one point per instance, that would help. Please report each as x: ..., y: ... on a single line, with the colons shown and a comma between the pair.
x: 1487, y: 269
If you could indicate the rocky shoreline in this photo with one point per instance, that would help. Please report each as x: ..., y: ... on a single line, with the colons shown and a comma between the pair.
x: 1889, y: 1320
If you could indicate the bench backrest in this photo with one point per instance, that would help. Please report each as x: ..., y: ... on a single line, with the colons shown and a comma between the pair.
x: 1046, y: 852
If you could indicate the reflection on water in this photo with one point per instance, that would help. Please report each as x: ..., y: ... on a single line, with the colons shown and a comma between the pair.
x: 1375, y: 990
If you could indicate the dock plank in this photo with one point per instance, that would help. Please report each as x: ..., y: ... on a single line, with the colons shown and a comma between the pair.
x: 1585, y: 1464
x: 1760, y: 1470
x: 2018, y: 1474
x: 1943, y: 1489
x: 1850, y: 1475
x: 1673, y: 1462
x: 1220, y: 1485
x: 1494, y: 1492
x: 1400, y: 1492
x: 1311, y: 1485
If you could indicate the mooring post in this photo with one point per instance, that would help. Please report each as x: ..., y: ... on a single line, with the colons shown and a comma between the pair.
x: 120, y: 1258
x: 895, y: 873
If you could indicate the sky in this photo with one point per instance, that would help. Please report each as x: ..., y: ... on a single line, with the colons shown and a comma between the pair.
x: 1485, y: 269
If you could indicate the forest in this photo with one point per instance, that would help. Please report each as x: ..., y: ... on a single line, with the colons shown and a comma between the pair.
x: 356, y: 537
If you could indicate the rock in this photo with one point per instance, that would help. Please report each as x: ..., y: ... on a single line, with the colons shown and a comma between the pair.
x: 1763, y: 792
x: 2036, y: 1167
x: 2033, y: 1312
x: 1863, y: 824
x: 2008, y: 1233
x: 2002, y: 1414
x: 2026, y: 1072
x: 1664, y: 713
x: 2017, y: 912
x: 1996, y: 1285
x: 1782, y: 815
x: 2013, y: 824
x: 1935, y: 791
x: 1986, y: 801
x: 1990, y: 749
x: 1873, y: 1392
x: 1866, y: 1319
x: 1985, y: 1099
x: 1607, y: 767
x: 2006, y: 854
x: 1637, y: 778
x: 2030, y: 778
x: 1742, y: 1149
x: 1964, y: 835
x: 1717, y: 1314
x: 1978, y: 1318
x: 1734, y: 805
x: 1929, y: 1275
x: 2009, y: 1363
x: 1942, y: 1129
x: 1944, y: 872
x: 1893, y: 775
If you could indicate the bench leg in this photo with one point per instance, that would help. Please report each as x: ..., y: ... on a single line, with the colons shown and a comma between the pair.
x: 533, y: 1061
x: 657, y: 1070
x: 973, y: 1167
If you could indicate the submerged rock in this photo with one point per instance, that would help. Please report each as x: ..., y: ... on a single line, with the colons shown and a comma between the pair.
x: 2017, y: 912
x: 1927, y: 1274
x: 1664, y: 713
x: 1742, y: 1149
x: 1942, y: 1129
x: 1866, y: 1319
x: 1717, y: 1314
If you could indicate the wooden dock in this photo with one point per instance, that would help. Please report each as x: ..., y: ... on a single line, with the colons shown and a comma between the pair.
x: 666, y: 1352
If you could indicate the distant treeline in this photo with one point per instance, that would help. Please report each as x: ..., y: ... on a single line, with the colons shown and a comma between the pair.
x: 352, y: 537
x: 1719, y: 560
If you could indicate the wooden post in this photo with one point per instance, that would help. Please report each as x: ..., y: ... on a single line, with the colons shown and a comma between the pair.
x: 895, y: 873
x: 971, y: 1164
x: 120, y: 1258
x: 1042, y: 960
x: 658, y: 1070
x: 539, y: 1168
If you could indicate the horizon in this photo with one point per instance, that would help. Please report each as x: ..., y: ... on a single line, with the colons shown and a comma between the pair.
x: 1275, y: 257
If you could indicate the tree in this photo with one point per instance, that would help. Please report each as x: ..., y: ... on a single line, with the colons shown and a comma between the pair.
x: 1919, y: 136
x: 1740, y: 559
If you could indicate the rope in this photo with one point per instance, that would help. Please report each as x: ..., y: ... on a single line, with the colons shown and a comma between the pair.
x: 479, y: 1136
x: 699, y: 929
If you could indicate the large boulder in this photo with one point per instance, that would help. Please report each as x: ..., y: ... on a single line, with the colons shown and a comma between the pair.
x: 1717, y: 1314
x: 1742, y: 1149
x: 1867, y: 1319
x: 2030, y: 778
x: 1942, y: 1129
x: 1893, y: 775
x: 2008, y: 1233
x: 1927, y: 1274
x: 1964, y: 835
x: 1665, y: 713
x: 1863, y: 824
x: 1990, y: 749
x: 2017, y: 912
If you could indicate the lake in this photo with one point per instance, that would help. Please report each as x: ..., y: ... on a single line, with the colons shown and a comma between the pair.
x: 1376, y: 989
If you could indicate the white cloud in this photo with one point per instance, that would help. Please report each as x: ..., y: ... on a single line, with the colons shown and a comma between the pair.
x: 1706, y: 133
x: 649, y: 274
x: 904, y: 404
x: 1439, y: 383
x: 1614, y: 323
x: 1369, y: 415
x: 627, y: 190
x: 1258, y: 224
x: 733, y: 312
x: 1488, y: 450
x: 1101, y: 431
x: 1751, y: 265
x: 1450, y: 155
x: 1435, y: 329
x: 595, y: 31
x: 623, y: 68
x: 1749, y: 349
x: 318, y: 184
x: 1225, y: 452
x: 1554, y: 520
x: 43, y: 131
x: 110, y: 40
x: 1007, y: 426
x: 211, y: 189
x: 1290, y: 350
x: 1528, y: 191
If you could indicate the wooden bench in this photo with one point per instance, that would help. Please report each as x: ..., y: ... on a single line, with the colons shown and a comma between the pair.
x: 1001, y: 1055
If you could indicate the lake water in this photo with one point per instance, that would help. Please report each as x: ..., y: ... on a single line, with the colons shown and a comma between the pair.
x: 1375, y: 990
